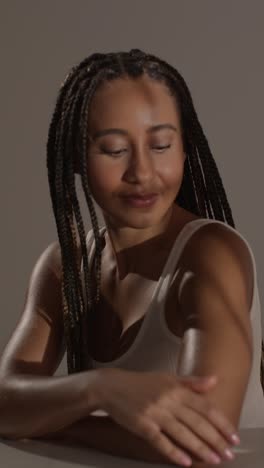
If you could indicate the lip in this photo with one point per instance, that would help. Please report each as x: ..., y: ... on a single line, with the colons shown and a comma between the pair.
x: 141, y: 201
x: 143, y: 196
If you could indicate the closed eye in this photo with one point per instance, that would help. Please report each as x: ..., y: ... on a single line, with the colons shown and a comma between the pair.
x: 159, y: 148
x: 162, y: 147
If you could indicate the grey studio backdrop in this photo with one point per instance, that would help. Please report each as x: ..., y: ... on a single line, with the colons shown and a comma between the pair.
x: 216, y: 45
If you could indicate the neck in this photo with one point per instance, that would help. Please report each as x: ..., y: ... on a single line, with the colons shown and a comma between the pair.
x: 141, y: 255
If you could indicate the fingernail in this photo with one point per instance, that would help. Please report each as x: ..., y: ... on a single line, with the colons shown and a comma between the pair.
x: 235, y: 438
x: 186, y: 461
x: 214, y: 458
x: 229, y: 454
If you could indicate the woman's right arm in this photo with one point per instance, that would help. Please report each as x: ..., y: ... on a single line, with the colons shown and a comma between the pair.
x: 33, y: 405
x: 32, y: 400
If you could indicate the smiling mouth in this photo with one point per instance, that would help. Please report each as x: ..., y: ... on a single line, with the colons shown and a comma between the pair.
x: 141, y: 202
x: 141, y: 195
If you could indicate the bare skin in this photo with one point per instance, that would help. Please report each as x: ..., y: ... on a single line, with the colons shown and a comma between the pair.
x: 127, y: 161
x: 117, y: 320
x: 129, y: 268
x: 147, y: 161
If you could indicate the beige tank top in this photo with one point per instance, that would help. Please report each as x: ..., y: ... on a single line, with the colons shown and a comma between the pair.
x: 156, y: 348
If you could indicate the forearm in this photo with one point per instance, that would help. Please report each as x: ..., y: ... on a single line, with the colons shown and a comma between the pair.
x: 104, y: 434
x: 34, y: 405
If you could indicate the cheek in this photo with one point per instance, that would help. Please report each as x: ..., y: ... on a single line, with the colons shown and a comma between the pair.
x: 171, y: 171
x: 102, y: 177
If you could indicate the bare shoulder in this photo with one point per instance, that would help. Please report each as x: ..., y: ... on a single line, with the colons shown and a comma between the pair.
x: 37, y: 345
x: 215, y: 248
x: 53, y: 255
x: 53, y: 251
x: 219, y: 235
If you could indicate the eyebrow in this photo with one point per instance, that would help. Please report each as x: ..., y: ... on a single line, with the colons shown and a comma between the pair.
x: 121, y: 131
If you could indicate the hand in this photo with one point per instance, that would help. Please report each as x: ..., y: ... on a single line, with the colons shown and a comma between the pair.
x: 164, y: 409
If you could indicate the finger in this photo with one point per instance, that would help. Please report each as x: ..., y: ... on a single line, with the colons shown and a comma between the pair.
x: 200, y: 387
x: 206, y: 431
x: 189, y: 440
x: 200, y: 383
x: 197, y: 378
x: 205, y: 408
x: 153, y: 434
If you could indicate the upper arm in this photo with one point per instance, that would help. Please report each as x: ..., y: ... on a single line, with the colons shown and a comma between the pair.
x: 37, y: 343
x: 215, y: 300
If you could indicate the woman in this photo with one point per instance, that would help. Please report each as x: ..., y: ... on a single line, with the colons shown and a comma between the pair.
x: 169, y: 285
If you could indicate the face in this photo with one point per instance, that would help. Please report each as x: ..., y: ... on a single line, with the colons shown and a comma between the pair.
x: 136, y: 156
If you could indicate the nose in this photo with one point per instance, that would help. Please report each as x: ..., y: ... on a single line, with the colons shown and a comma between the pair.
x: 141, y: 166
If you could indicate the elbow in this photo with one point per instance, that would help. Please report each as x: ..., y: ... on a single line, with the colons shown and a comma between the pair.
x: 9, y: 423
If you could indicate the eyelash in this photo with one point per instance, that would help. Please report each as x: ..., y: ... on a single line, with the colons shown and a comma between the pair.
x: 120, y: 151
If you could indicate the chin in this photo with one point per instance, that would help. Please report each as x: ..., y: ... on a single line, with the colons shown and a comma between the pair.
x: 136, y: 219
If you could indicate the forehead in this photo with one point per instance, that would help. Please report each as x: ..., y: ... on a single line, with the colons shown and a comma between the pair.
x: 126, y: 101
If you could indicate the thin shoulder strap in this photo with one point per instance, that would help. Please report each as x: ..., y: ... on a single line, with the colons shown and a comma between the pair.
x: 188, y: 230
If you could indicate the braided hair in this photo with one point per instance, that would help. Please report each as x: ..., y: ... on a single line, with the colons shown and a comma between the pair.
x: 201, y: 192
